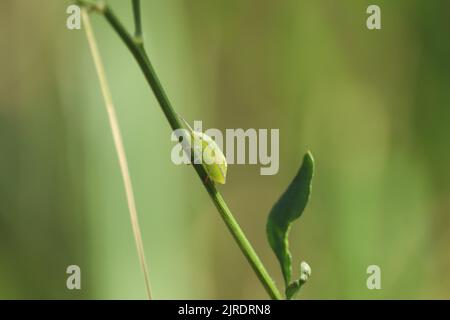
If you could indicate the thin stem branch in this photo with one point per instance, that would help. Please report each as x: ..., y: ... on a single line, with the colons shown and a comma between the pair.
x: 147, y: 69
x: 137, y: 22
x: 118, y: 143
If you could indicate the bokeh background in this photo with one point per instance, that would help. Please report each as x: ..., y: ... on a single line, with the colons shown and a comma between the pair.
x: 373, y: 106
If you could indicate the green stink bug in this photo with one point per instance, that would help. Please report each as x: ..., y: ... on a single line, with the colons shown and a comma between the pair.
x: 211, y: 157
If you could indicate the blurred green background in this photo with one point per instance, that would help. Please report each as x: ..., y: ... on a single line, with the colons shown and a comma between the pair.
x: 373, y: 106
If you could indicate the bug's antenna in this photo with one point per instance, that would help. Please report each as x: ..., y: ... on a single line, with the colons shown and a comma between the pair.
x: 184, y: 121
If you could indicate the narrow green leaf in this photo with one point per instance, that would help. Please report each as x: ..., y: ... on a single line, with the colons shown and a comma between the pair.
x: 289, y: 208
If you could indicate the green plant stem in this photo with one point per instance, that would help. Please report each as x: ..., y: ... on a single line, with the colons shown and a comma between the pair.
x: 146, y: 67
x: 137, y: 22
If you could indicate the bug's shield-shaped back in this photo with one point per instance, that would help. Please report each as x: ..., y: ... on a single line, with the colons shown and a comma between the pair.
x: 202, y: 149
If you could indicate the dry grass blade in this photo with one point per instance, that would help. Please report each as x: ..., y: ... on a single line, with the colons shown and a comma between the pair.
x: 118, y: 145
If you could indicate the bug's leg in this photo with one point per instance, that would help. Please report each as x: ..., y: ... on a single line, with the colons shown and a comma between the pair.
x: 205, y: 181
